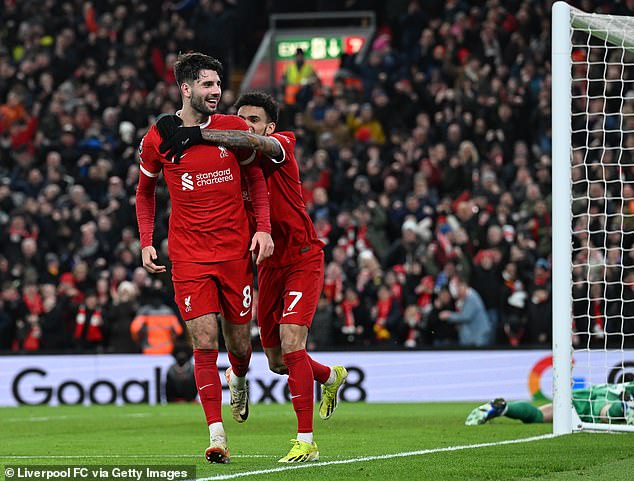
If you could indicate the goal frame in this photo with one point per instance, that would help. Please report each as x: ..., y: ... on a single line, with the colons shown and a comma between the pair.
x: 561, y: 105
x: 565, y: 419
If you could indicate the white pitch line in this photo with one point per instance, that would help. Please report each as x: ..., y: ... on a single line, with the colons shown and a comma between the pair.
x: 373, y: 458
x: 285, y: 468
x: 55, y: 418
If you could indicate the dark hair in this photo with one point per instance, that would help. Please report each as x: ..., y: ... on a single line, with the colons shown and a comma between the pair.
x: 260, y: 99
x: 188, y: 66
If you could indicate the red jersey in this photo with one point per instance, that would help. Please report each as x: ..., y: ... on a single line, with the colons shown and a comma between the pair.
x: 208, y: 220
x: 292, y: 229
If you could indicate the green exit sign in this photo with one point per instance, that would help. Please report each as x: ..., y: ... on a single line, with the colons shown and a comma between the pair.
x: 315, y: 48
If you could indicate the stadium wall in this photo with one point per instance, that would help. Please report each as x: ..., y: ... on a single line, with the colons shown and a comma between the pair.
x: 374, y: 376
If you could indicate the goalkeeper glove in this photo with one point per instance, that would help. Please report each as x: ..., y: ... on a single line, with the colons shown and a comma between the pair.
x: 177, y: 139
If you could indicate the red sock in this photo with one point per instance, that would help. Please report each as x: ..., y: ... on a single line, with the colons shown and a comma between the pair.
x: 300, y: 383
x: 240, y: 366
x: 321, y: 373
x: 208, y: 383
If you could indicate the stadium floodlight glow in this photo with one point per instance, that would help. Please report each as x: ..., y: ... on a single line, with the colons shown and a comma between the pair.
x: 593, y: 206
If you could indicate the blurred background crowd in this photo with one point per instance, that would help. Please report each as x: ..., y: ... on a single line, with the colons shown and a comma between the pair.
x: 426, y: 170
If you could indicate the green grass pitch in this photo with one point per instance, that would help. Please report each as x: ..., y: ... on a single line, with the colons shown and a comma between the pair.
x: 176, y: 435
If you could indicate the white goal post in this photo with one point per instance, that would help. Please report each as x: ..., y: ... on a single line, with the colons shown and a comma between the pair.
x: 593, y: 207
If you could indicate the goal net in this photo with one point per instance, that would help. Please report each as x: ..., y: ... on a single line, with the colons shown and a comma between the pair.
x: 593, y: 212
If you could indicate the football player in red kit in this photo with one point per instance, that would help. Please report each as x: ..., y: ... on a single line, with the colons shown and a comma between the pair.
x: 208, y: 238
x: 290, y: 281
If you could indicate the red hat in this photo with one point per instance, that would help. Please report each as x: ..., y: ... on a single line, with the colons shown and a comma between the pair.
x: 481, y: 255
x: 67, y: 278
x: 399, y: 269
x: 364, y: 134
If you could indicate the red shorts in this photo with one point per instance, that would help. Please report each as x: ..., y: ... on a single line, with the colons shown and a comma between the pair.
x: 226, y: 287
x: 288, y: 295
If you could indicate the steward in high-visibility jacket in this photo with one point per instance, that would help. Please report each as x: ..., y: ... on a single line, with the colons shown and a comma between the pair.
x: 155, y: 328
x: 296, y: 75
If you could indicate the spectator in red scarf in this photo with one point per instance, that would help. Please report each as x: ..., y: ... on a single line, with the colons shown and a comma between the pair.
x: 387, y: 314
x: 513, y: 305
x: 333, y: 283
x: 89, y: 324
x: 411, y: 318
x: 355, y: 318
x: 424, y: 290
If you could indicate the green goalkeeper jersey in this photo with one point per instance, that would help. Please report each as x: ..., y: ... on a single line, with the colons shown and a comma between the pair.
x: 589, y: 402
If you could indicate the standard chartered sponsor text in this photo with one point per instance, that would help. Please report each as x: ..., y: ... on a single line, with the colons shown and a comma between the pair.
x: 215, y: 177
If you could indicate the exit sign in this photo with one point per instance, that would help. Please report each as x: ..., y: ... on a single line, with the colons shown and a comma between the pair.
x: 315, y: 48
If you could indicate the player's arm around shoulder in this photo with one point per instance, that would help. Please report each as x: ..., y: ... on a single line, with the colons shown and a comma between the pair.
x: 241, y: 139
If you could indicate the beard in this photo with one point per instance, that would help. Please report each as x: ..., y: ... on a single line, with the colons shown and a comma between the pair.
x: 199, y: 104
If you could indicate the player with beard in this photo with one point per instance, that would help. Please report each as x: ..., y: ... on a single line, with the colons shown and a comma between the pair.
x: 208, y: 238
x: 291, y: 280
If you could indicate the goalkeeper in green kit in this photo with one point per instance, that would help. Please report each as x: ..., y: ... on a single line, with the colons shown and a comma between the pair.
x: 604, y: 403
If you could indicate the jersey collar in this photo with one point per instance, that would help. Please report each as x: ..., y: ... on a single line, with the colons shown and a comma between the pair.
x: 203, y: 125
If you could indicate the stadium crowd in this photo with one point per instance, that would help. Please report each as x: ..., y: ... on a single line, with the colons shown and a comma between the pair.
x: 426, y: 170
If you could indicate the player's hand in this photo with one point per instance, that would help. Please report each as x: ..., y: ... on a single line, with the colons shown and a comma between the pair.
x: 168, y: 124
x: 148, y: 255
x: 262, y: 244
x: 184, y: 137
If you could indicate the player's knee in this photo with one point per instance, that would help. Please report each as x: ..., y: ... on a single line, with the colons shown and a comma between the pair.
x: 202, y: 339
x: 278, y: 368
x: 240, y: 351
x: 205, y: 343
x: 276, y: 364
x: 293, y: 338
x: 292, y: 345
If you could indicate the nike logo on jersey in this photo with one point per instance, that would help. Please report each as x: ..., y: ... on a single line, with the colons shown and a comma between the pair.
x: 284, y: 314
x: 185, y: 142
x: 244, y: 313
